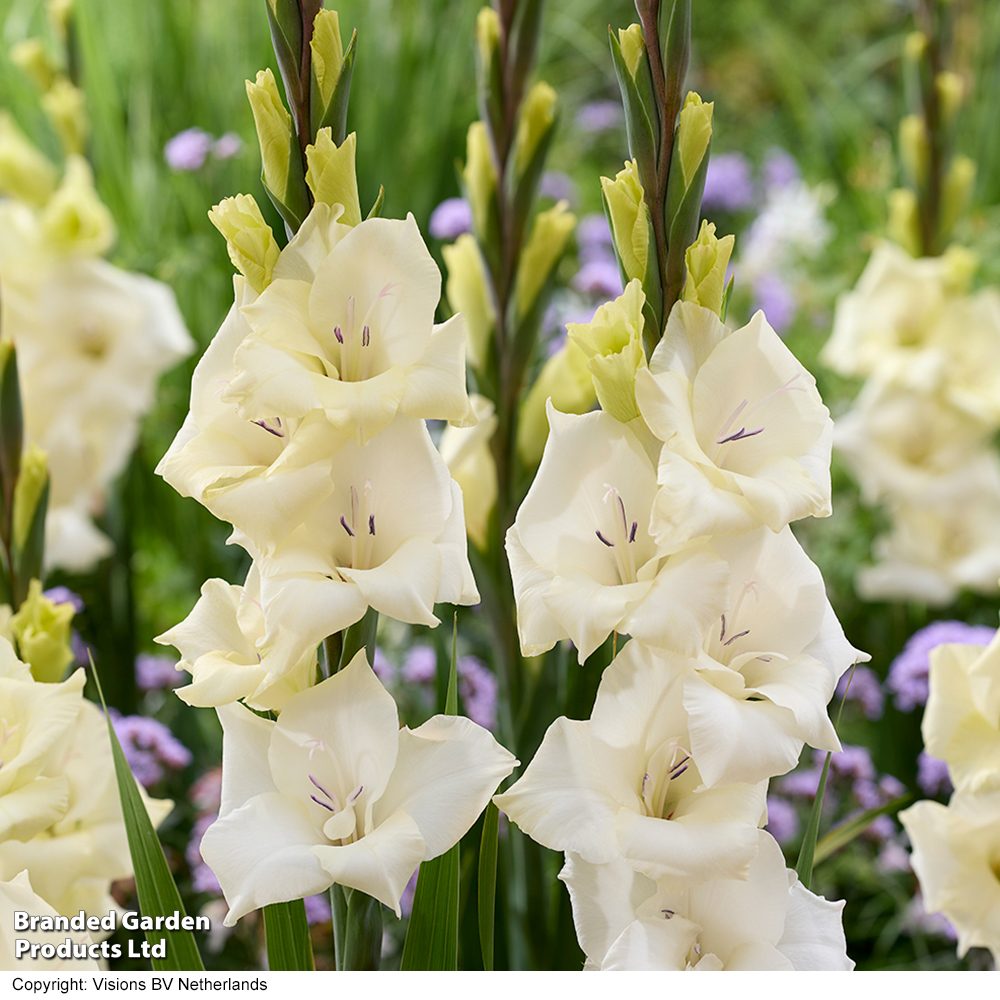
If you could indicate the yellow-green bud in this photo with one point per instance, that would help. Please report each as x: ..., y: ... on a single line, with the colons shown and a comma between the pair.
x: 274, y: 130
x: 31, y: 56
x: 327, y: 52
x: 75, y: 219
x: 904, y: 220
x: 480, y: 174
x: 538, y: 112
x: 567, y: 380
x: 64, y: 105
x: 914, y: 148
x: 332, y: 176
x: 707, y: 259
x: 249, y: 239
x: 956, y: 192
x: 487, y: 34
x: 468, y: 294
x: 915, y: 46
x: 633, y: 46
x: 42, y: 630
x: 28, y: 491
x: 59, y: 12
x: 629, y: 222
x: 612, y: 342
x: 961, y: 265
x: 24, y: 172
x: 541, y: 253
x: 694, y: 132
x: 951, y: 92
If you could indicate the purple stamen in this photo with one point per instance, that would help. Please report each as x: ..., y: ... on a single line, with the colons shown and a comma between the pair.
x: 270, y: 430
x: 354, y: 795
x: 667, y: 913
x: 645, y: 781
x: 371, y: 524
x: 740, y: 435
x: 738, y: 635
x: 338, y: 334
x: 343, y: 524
x: 677, y: 774
x: 631, y: 537
x: 365, y: 336
x: 610, y: 545
x: 722, y: 634
x: 323, y: 804
x: 320, y: 787
x: 677, y: 765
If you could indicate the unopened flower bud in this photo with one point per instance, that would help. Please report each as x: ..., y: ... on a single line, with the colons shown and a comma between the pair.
x: 42, y: 630
x: 612, y: 342
x: 24, y: 172
x: 31, y: 482
x: 914, y: 148
x: 915, y: 46
x: 250, y: 241
x: 327, y: 53
x: 629, y: 223
x: 332, y: 175
x: 542, y: 251
x: 694, y: 132
x: 961, y: 265
x: 480, y: 175
x: 487, y: 34
x: 707, y: 260
x: 538, y: 112
x: 63, y: 103
x: 59, y: 12
x: 633, y: 46
x: 274, y: 130
x: 30, y: 56
x: 468, y: 294
x: 956, y: 192
x: 951, y: 93
x: 76, y: 220
x: 904, y: 220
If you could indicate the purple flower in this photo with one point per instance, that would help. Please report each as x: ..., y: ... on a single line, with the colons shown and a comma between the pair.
x: 593, y: 236
x: 202, y: 877
x: 932, y: 775
x: 881, y: 828
x: 728, y: 183
x: 318, y: 909
x: 383, y: 668
x: 206, y: 792
x: 782, y: 819
x: 930, y: 923
x: 557, y: 186
x: 600, y: 116
x: 600, y: 278
x: 852, y: 762
x: 907, y: 680
x: 478, y: 687
x: 866, y: 689
x: 420, y: 665
x: 82, y: 651
x: 780, y: 169
x: 893, y: 857
x: 801, y: 784
x: 188, y: 149
x: 227, y: 146
x: 450, y: 219
x: 772, y: 295
x: 868, y: 794
x: 150, y: 748
x: 63, y: 595
x: 153, y: 672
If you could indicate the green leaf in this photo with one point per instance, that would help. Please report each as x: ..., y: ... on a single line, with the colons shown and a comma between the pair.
x: 158, y: 895
x: 363, y: 947
x: 360, y: 635
x: 432, y: 937
x: 338, y: 906
x: 11, y: 435
x: 726, y: 297
x: 376, y: 212
x: 807, y: 853
x: 488, y: 883
x: 286, y: 931
x: 843, y: 833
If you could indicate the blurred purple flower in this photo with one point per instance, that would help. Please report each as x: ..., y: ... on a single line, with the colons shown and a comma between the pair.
x: 772, y: 295
x: 557, y: 186
x: 227, y: 146
x: 420, y: 665
x: 780, y: 168
x: 802, y: 784
x: 593, y: 236
x: 206, y: 792
x: 450, y: 219
x: 929, y: 923
x: 891, y: 786
x: 478, y: 687
x: 881, y: 828
x: 202, y: 877
x: 600, y: 278
x: 188, y: 149
x: 907, y: 680
x: 782, y: 819
x: 82, y: 651
x: 868, y: 794
x: 600, y: 116
x: 932, y: 775
x: 318, y: 909
x: 150, y: 748
x: 852, y: 762
x: 409, y: 891
x: 153, y: 671
x: 893, y: 857
x: 866, y: 689
x: 63, y: 595
x: 728, y: 183
x: 383, y: 668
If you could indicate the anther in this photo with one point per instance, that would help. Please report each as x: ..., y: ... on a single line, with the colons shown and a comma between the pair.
x: 739, y: 635
x: 610, y: 545
x: 371, y: 524
x: 344, y: 525
x: 338, y: 334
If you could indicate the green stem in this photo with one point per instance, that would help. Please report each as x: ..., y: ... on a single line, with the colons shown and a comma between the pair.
x: 338, y: 906
x: 363, y: 940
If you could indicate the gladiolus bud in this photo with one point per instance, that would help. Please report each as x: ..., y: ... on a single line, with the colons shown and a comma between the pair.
x: 75, y: 219
x: 480, y: 175
x: 42, y: 631
x: 914, y: 149
x: 694, y: 132
x: 542, y: 251
x: 915, y: 46
x: 904, y: 220
x: 64, y: 105
x: 487, y: 34
x: 24, y: 172
x: 951, y: 93
x: 31, y: 56
x: 31, y: 483
x: 961, y: 266
x: 629, y: 223
x: 468, y: 294
x: 633, y: 46
x: 957, y: 191
x: 274, y: 130
x: 707, y: 260
x: 538, y: 112
x: 612, y: 342
x: 332, y: 176
x: 327, y: 53
x: 250, y: 241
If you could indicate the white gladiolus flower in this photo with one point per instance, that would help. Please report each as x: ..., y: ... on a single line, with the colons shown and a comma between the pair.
x: 769, y: 666
x: 626, y: 784
x: 746, y: 436
x: 961, y: 724
x: 582, y: 559
x: 769, y: 922
x: 390, y: 536
x: 956, y: 855
x: 222, y: 645
x: 335, y: 791
x: 263, y: 476
x: 16, y: 895
x: 355, y: 338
